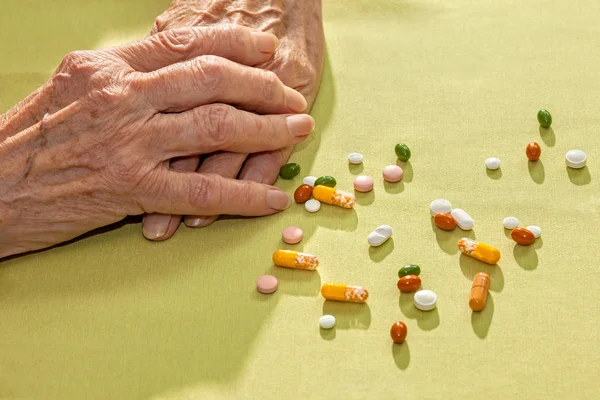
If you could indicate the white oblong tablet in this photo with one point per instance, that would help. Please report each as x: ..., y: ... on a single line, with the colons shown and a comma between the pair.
x: 312, y: 205
x: 355, y: 158
x: 327, y: 321
x: 536, y: 230
x: 492, y: 163
x: 463, y: 220
x: 576, y: 159
x: 380, y: 235
x: 511, y: 222
x: 440, y: 206
x: 425, y: 300
x: 309, y: 180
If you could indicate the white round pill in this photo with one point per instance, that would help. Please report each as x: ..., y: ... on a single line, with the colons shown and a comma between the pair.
x: 463, y: 220
x: 425, y: 300
x: 355, y: 158
x: 440, y: 206
x: 312, y: 205
x: 576, y: 159
x: 511, y: 222
x: 309, y: 180
x: 536, y: 230
x: 380, y: 235
x: 492, y: 163
x: 327, y: 321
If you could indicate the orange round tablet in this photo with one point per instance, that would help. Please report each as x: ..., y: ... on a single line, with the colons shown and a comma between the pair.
x: 533, y: 151
x: 398, y: 332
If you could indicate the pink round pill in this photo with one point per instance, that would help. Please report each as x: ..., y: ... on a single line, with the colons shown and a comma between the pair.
x: 292, y: 235
x: 392, y: 173
x: 266, y: 284
x: 363, y: 183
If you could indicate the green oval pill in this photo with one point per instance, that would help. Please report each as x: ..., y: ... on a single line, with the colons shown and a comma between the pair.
x: 326, y: 181
x: 402, y: 151
x: 288, y: 171
x: 544, y: 118
x: 410, y: 269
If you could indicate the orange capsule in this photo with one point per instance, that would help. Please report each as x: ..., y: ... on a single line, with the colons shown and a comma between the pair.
x: 445, y: 222
x: 303, y: 193
x: 343, y: 292
x: 294, y: 259
x: 523, y: 236
x: 479, y: 291
x: 533, y: 151
x: 398, y: 332
x: 409, y: 283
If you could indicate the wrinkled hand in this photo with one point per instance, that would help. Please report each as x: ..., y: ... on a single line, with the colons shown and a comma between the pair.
x: 298, y: 62
x: 93, y: 145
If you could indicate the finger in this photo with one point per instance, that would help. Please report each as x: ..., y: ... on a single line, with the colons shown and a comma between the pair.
x: 264, y: 167
x: 160, y: 227
x: 216, y: 127
x: 173, y: 192
x: 210, y: 79
x: 236, y: 43
x: 227, y: 165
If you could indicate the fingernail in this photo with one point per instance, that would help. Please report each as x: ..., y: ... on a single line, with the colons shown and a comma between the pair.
x: 278, y: 200
x: 300, y: 125
x: 155, y: 226
x: 253, y: 176
x: 196, y: 222
x: 294, y: 100
x: 265, y: 42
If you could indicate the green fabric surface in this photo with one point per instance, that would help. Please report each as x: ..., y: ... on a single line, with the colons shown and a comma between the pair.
x: 113, y: 316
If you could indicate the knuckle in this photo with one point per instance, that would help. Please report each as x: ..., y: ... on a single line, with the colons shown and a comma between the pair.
x: 76, y: 63
x: 178, y: 41
x: 206, y: 195
x: 218, y: 122
x: 211, y: 72
x: 271, y: 85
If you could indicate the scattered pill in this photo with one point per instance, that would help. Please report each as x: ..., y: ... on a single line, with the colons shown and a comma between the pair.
x: 479, y: 291
x: 326, y: 181
x: 544, y: 118
x: 355, y: 158
x: 409, y: 283
x: 294, y: 259
x: 463, y: 220
x: 410, y: 269
x: 480, y: 251
x: 303, y: 193
x: 440, y: 206
x: 288, y: 171
x: 445, y: 222
x: 266, y: 284
x: 312, y: 205
x: 425, y: 300
x: 363, y: 183
x: 343, y: 292
x: 292, y: 235
x: 511, y: 222
x: 398, y: 332
x: 402, y: 152
x: 327, y: 321
x: 522, y: 236
x: 309, y: 180
x: 393, y: 173
x: 576, y: 159
x: 492, y: 163
x: 536, y: 230
x: 333, y: 196
x: 533, y: 151
x: 380, y: 235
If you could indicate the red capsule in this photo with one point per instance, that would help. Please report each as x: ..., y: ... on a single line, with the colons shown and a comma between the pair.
x: 409, y: 283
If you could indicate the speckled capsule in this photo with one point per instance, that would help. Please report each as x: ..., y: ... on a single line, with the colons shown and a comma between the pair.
x: 329, y: 195
x: 294, y: 259
x: 480, y: 251
x: 343, y: 292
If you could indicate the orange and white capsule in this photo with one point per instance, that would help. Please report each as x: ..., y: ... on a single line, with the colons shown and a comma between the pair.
x: 343, y: 292
x: 329, y: 195
x: 294, y: 259
x: 480, y: 251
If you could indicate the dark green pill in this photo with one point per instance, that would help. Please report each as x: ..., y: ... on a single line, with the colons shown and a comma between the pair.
x: 544, y: 118
x: 326, y: 181
x: 288, y: 171
x: 402, y: 151
x: 410, y: 269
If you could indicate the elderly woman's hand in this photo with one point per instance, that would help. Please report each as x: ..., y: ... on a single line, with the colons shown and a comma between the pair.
x: 298, y: 62
x: 93, y: 145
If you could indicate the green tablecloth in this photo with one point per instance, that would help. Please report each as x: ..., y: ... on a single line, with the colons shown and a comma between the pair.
x: 113, y: 316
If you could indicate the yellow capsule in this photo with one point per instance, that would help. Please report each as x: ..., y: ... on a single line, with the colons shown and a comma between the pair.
x: 480, y: 251
x: 343, y: 292
x: 333, y: 196
x: 294, y: 259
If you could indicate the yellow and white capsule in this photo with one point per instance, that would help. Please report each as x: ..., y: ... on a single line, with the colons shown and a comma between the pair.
x: 294, y: 259
x: 343, y: 292
x: 329, y: 195
x: 480, y: 251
